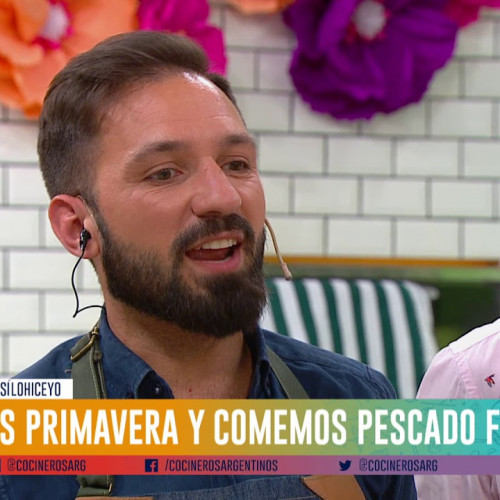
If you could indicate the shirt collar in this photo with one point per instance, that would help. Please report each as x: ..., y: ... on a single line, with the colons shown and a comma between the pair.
x: 129, y: 376
x: 123, y: 370
x: 260, y: 387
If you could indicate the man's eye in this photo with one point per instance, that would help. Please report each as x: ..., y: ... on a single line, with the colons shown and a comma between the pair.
x: 164, y: 174
x: 237, y: 165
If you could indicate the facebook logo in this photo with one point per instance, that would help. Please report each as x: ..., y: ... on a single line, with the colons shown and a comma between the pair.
x: 151, y: 465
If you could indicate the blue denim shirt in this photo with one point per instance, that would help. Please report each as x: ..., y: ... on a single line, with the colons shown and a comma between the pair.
x: 323, y: 374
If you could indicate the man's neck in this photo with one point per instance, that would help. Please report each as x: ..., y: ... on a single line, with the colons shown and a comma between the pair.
x: 194, y: 365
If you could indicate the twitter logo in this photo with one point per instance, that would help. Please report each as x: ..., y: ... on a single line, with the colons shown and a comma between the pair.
x: 344, y: 465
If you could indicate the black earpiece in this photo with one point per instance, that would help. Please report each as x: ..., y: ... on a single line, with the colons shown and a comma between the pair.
x: 85, y: 236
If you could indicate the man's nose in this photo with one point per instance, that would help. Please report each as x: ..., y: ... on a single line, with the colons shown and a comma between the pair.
x: 215, y: 193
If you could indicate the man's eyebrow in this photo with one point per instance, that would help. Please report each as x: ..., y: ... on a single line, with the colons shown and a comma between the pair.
x: 237, y: 139
x: 169, y: 146
x: 155, y: 147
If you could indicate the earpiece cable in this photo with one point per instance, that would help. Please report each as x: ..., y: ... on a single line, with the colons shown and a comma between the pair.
x: 77, y: 308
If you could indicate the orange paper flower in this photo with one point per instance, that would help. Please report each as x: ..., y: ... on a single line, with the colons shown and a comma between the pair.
x: 38, y: 37
x: 260, y: 6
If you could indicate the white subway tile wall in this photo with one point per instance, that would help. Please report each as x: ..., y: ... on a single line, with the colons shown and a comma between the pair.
x: 20, y: 227
x: 422, y: 182
x: 433, y: 239
x: 20, y: 350
x: 394, y: 196
x: 255, y: 32
x: 264, y: 111
x: 320, y: 195
x: 18, y: 142
x: 279, y: 187
x: 482, y: 159
x: 241, y: 72
x: 359, y: 155
x: 427, y: 158
x: 304, y: 120
x: 481, y: 239
x: 34, y: 270
x: 89, y: 281
x: 461, y: 118
x: 273, y: 71
x: 360, y: 237
x: 298, y: 235
x: 288, y: 154
x: 446, y: 83
x: 462, y: 199
x: 409, y: 121
x: 478, y: 40
x: 24, y: 185
x: 481, y: 78
x: 11, y: 306
x: 59, y: 308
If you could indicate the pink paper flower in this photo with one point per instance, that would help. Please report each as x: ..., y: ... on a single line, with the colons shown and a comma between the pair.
x: 465, y: 12
x: 190, y: 18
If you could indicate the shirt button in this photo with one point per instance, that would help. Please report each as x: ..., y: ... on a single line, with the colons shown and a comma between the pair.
x: 158, y: 390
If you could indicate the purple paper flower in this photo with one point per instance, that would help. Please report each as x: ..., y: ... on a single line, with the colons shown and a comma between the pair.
x: 355, y: 58
x: 189, y: 17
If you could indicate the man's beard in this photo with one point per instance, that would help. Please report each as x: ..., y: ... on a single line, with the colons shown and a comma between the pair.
x: 216, y: 305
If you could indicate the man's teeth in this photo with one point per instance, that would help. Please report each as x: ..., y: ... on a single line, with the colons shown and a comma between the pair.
x: 217, y: 244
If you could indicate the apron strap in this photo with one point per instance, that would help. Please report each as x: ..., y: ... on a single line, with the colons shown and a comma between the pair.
x: 291, y: 386
x: 88, y: 383
x: 94, y: 486
x: 86, y: 372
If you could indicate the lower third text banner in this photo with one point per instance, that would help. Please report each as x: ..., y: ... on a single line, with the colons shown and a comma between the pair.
x: 249, y: 436
x: 246, y: 465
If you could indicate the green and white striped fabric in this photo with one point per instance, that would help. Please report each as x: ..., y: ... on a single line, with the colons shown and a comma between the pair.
x: 385, y: 324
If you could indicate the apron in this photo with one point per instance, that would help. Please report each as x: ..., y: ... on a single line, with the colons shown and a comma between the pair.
x: 88, y: 383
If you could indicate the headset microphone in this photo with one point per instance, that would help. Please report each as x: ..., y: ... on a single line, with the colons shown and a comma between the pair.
x: 284, y: 268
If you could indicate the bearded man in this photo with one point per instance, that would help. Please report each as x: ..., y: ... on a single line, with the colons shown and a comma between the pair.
x: 153, y: 177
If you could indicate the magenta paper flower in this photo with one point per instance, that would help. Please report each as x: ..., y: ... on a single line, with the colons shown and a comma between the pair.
x: 189, y: 17
x: 465, y: 12
x: 355, y: 58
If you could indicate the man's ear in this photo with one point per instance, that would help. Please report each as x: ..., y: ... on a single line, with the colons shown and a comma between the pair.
x: 68, y: 216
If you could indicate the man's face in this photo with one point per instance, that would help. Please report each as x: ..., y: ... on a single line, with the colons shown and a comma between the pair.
x: 181, y: 207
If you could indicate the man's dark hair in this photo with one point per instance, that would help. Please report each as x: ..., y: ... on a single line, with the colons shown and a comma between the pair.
x: 81, y: 94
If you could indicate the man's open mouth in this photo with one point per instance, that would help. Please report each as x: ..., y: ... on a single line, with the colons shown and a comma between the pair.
x: 215, y: 250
